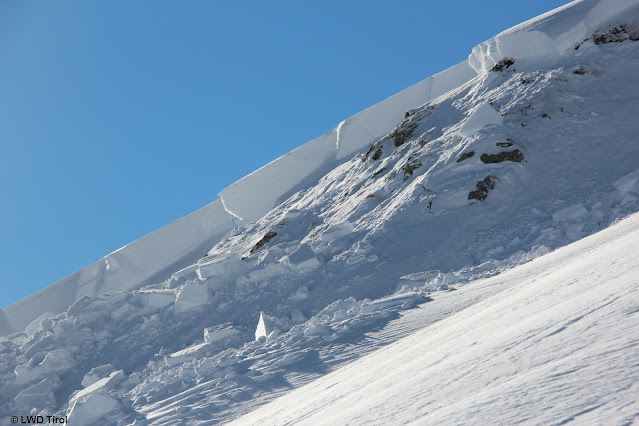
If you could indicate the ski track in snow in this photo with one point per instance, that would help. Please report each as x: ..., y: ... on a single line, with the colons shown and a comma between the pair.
x: 393, y: 238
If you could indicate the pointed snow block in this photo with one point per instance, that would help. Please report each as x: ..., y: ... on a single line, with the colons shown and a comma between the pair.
x: 265, y: 327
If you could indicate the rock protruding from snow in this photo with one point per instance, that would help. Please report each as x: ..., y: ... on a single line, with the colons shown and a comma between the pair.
x: 527, y: 44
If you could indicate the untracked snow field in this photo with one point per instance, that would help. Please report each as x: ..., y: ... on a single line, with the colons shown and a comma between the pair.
x: 549, y: 342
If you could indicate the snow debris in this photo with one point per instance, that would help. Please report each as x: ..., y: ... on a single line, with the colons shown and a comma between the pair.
x: 38, y: 396
x: 96, y: 374
x: 192, y: 296
x: 219, y: 332
x: 301, y: 258
x: 338, y: 231
x: 354, y: 250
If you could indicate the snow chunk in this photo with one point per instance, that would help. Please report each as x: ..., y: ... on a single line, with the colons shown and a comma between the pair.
x: 37, y: 324
x: 157, y: 298
x: 573, y: 212
x: 265, y: 327
x: 91, y: 408
x: 300, y: 294
x: 58, y: 361
x: 406, y: 299
x: 337, y: 231
x: 192, y: 296
x: 39, y: 396
x: 628, y: 183
x: 222, y: 268
x: 302, y: 258
x: 269, y: 271
x: 219, y: 332
x: 96, y: 374
x: 483, y: 116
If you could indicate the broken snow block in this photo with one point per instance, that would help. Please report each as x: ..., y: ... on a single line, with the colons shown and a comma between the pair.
x: 219, y: 332
x: 302, y: 258
x: 516, y: 155
x: 266, y: 327
x: 483, y: 187
x: 337, y: 231
x: 39, y: 396
x: 192, y: 296
x: 97, y: 373
x: 96, y: 401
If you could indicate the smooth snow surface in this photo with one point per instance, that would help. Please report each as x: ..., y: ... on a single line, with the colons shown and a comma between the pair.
x: 557, y: 341
x: 400, y: 235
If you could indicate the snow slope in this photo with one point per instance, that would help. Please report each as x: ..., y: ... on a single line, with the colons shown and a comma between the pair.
x: 352, y: 241
x: 555, y: 342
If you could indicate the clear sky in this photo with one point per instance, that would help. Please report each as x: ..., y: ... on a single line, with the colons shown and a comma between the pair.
x: 118, y: 117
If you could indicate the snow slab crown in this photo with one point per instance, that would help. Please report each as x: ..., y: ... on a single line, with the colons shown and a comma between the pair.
x: 543, y: 37
x: 181, y: 243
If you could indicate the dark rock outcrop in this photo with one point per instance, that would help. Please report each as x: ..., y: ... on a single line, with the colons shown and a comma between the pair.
x: 516, y: 156
x: 483, y: 187
x: 265, y: 239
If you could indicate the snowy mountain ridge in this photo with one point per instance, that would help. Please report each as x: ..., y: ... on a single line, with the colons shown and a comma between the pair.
x: 528, y: 146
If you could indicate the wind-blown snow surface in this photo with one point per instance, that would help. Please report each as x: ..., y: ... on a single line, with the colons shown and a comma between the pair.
x: 528, y: 146
x: 548, y: 342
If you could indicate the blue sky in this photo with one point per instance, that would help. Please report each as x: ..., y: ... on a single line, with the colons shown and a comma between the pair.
x: 117, y: 118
